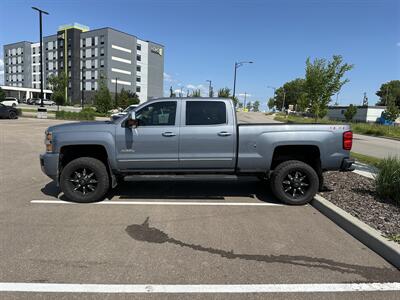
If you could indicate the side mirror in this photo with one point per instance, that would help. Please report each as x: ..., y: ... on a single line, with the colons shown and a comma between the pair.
x: 132, y: 122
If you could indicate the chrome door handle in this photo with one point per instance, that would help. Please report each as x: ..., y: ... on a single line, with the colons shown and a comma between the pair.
x: 224, y: 133
x: 168, y: 134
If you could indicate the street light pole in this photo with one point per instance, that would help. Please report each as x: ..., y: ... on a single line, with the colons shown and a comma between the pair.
x: 116, y: 97
x: 238, y: 65
x: 209, y: 88
x: 41, y: 52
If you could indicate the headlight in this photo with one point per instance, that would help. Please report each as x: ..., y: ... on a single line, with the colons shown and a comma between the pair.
x: 49, y: 141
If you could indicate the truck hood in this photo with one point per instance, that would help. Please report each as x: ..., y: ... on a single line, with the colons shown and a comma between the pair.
x: 82, y: 127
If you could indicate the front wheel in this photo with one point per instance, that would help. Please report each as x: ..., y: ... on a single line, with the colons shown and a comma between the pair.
x: 294, y: 182
x: 84, y: 180
x: 12, y: 115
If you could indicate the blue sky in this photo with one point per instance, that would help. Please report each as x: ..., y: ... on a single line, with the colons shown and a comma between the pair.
x: 204, y: 38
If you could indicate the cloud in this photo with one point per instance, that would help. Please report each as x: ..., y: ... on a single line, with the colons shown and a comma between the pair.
x: 1, y: 72
x: 168, y: 78
x: 242, y: 95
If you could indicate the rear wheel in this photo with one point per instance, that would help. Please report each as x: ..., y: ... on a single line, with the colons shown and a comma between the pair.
x: 294, y: 182
x: 84, y: 180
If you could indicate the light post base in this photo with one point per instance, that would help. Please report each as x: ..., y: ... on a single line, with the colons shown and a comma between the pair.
x: 42, y: 113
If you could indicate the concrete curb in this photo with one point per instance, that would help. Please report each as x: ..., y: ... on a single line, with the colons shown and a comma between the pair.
x: 365, y: 234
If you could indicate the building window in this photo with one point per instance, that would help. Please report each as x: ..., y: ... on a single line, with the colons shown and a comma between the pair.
x: 69, y: 52
x: 93, y: 41
x: 138, y: 47
x: 101, y: 62
x: 138, y: 89
x: 138, y: 57
x: 102, y: 51
x: 138, y: 79
x: 138, y: 68
x: 102, y: 39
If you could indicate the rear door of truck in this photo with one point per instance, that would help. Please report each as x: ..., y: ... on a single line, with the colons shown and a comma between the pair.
x: 207, y: 135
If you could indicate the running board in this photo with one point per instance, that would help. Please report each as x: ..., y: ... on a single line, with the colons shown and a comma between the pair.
x: 183, y: 177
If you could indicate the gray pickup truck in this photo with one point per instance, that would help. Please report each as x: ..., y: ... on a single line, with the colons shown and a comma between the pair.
x: 193, y: 136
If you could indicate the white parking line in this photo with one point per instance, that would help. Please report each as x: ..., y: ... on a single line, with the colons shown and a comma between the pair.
x: 161, y: 203
x: 196, y: 288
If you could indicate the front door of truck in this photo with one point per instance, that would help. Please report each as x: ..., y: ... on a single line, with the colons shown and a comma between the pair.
x: 154, y: 143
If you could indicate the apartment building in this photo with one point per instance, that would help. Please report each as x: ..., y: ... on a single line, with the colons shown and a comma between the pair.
x: 86, y: 57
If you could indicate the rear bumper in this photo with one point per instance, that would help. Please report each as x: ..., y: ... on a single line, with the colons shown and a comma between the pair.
x: 347, y: 165
x: 49, y: 164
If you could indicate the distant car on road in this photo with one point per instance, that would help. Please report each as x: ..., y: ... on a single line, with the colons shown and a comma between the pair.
x: 31, y: 101
x: 123, y: 113
x: 10, y: 101
x: 8, y: 112
x: 45, y: 102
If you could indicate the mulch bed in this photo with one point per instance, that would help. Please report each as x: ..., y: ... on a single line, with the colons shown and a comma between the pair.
x: 356, y: 195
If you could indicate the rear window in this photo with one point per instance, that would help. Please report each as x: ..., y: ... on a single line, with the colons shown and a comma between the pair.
x: 205, y: 113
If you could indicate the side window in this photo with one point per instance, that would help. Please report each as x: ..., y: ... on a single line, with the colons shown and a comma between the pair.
x: 157, y: 114
x: 205, y: 113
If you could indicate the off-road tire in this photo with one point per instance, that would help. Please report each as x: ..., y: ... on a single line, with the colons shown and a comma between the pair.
x: 281, y: 173
x: 100, y: 174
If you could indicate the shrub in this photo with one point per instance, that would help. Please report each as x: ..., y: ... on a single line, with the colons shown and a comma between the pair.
x: 102, y: 98
x: 388, y: 179
x: 87, y: 114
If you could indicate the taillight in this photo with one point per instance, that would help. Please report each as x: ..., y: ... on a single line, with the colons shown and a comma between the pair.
x: 347, y: 140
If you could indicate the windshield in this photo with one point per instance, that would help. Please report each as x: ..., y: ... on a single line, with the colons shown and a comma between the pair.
x: 129, y: 108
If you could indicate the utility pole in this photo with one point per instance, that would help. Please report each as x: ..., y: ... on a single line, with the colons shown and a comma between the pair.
x: 209, y: 89
x: 244, y: 103
x: 365, y: 100
x: 41, y: 53
x: 83, y: 85
x: 116, y: 94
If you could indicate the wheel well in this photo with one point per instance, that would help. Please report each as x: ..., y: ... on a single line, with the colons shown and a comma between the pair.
x: 69, y: 153
x: 306, y: 153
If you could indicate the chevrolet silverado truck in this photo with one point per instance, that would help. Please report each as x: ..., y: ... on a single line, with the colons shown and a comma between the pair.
x: 200, y: 137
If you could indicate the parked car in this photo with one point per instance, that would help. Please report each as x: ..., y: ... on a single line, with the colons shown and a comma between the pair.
x: 123, y: 113
x: 191, y: 136
x: 31, y: 101
x: 10, y: 101
x: 8, y: 112
x: 45, y: 102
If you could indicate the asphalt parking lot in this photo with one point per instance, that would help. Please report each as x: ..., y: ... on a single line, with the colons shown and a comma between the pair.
x: 155, y: 233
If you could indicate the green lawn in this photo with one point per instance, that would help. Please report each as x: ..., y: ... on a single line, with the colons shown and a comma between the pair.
x: 361, y: 128
x: 366, y: 159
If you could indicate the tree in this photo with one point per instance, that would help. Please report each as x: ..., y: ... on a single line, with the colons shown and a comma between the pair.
x: 389, y: 91
x: 302, y: 102
x: 2, y: 94
x: 226, y: 93
x: 127, y: 98
x: 290, y: 92
x: 249, y: 106
x: 196, y: 93
x: 171, y: 93
x: 323, y: 80
x: 256, y: 105
x: 271, y: 103
x: 392, y: 112
x: 350, y: 112
x: 102, y: 98
x: 58, y: 84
